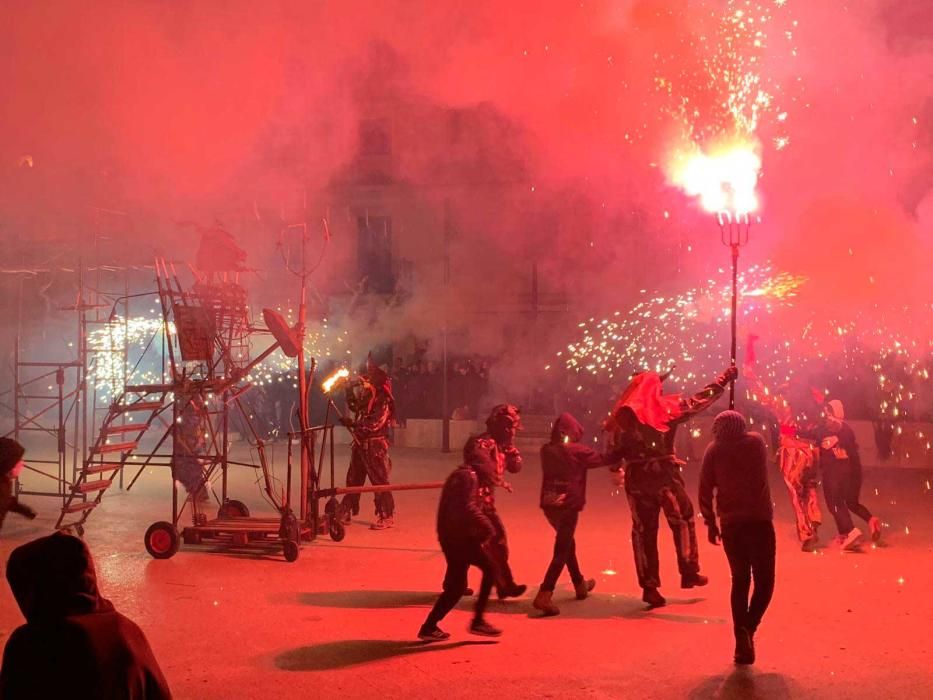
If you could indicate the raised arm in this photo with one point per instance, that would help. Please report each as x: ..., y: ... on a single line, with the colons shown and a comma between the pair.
x: 707, y: 396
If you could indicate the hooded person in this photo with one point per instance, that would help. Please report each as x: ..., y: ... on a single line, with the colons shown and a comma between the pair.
x: 735, y: 473
x: 841, y: 465
x: 74, y: 644
x: 565, y: 462
x: 11, y: 466
x: 503, y: 423
x: 465, y: 533
x: 643, y: 423
x: 373, y: 407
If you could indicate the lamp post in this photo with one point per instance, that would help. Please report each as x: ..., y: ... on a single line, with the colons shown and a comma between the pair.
x: 733, y: 231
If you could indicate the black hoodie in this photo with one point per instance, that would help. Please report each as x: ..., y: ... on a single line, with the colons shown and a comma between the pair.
x: 735, y: 466
x: 564, y: 465
x: 74, y: 644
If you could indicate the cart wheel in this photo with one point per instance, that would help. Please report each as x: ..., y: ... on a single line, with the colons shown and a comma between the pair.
x: 337, y: 531
x: 162, y: 540
x: 290, y: 548
x: 232, y: 509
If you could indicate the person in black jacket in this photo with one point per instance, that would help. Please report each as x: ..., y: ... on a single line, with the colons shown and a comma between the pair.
x: 74, y: 644
x: 565, y: 462
x: 842, y: 475
x: 466, y: 534
x: 735, y: 468
x: 11, y: 465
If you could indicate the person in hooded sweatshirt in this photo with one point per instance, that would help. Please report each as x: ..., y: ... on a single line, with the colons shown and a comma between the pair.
x: 565, y: 462
x: 842, y: 475
x: 11, y: 466
x: 735, y: 470
x: 467, y: 536
x: 74, y: 644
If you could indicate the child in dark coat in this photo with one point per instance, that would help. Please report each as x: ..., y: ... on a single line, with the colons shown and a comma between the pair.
x: 735, y: 469
x: 565, y: 462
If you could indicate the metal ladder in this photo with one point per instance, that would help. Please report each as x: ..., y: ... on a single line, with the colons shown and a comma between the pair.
x: 114, y: 445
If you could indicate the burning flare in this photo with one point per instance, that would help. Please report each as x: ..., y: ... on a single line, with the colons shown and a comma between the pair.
x: 724, y: 181
x: 335, y: 378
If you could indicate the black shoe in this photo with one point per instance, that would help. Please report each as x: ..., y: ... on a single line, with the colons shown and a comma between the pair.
x: 693, y: 580
x: 468, y: 592
x: 744, y: 647
x: 653, y: 597
x: 432, y: 634
x: 484, y: 629
x: 28, y: 513
x: 584, y: 587
x: 513, y: 591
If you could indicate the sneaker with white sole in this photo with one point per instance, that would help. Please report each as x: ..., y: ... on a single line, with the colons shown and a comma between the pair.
x: 852, y: 540
x: 383, y: 523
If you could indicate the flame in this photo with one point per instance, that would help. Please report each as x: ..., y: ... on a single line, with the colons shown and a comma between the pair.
x: 724, y: 180
x: 334, y: 378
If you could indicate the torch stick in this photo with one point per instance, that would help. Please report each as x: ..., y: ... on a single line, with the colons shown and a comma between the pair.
x: 733, y: 233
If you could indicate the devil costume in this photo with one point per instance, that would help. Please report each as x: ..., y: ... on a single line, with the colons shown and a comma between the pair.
x: 643, y: 423
x: 373, y: 409
x: 796, y: 458
x: 499, y: 440
x: 74, y: 644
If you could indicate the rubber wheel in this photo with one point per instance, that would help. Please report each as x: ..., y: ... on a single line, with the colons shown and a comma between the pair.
x: 290, y: 549
x: 162, y: 540
x: 232, y: 509
x: 337, y: 531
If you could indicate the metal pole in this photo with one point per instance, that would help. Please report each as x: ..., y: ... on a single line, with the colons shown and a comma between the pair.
x: 303, y: 418
x: 735, y: 293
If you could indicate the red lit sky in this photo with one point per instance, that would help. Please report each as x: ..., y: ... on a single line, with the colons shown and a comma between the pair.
x: 174, y: 108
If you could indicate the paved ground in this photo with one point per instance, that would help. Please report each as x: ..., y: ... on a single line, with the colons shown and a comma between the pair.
x: 341, y: 621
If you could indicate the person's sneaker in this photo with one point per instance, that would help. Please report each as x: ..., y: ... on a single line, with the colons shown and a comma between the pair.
x: 344, y: 516
x: 744, y: 647
x: 484, y: 629
x: 516, y: 590
x: 874, y: 527
x: 653, y: 597
x: 543, y: 603
x: 693, y: 580
x: 809, y: 545
x: 584, y: 587
x: 28, y: 512
x: 432, y: 634
x: 852, y: 541
x: 383, y: 524
x: 468, y: 592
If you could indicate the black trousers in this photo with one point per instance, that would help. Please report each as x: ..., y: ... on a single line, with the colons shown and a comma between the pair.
x: 837, y: 489
x: 460, y: 557
x: 498, y: 550
x: 750, y: 548
x: 370, y: 458
x: 564, y: 522
x: 854, y: 492
x: 648, y: 494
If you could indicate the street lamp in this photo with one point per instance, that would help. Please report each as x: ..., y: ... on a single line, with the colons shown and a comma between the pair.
x: 733, y: 231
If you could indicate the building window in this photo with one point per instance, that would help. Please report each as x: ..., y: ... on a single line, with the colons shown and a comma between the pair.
x: 375, y: 253
x: 375, y: 138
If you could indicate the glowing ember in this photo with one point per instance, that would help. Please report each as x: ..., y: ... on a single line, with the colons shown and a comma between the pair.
x: 334, y: 378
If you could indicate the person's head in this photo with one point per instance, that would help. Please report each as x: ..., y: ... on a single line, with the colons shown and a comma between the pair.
x: 504, y: 421
x: 566, y: 429
x: 626, y: 419
x: 834, y: 413
x: 480, y: 455
x: 729, y: 425
x: 11, y: 458
x: 52, y: 577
